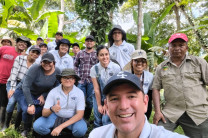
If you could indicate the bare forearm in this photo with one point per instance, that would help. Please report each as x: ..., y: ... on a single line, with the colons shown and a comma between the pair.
x: 46, y: 112
x: 156, y: 99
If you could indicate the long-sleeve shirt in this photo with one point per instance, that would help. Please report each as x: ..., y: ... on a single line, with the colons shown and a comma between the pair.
x: 83, y: 63
x: 18, y: 71
x: 37, y: 83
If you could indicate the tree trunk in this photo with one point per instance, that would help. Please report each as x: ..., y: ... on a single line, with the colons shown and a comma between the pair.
x: 175, y: 8
x: 139, y: 25
x: 61, y: 18
x: 198, y: 34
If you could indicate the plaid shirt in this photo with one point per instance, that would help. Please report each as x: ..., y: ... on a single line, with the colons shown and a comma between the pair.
x: 18, y: 71
x: 83, y: 63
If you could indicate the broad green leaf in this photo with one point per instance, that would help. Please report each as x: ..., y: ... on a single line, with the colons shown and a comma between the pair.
x: 52, y: 25
x: 47, y: 14
x: 36, y: 7
x: 159, y: 20
x: 44, y: 30
x: 147, y: 20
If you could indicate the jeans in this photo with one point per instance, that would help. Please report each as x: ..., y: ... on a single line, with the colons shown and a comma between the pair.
x: 99, y: 119
x: 27, y: 118
x: 87, y: 88
x: 43, y: 126
x: 12, y: 101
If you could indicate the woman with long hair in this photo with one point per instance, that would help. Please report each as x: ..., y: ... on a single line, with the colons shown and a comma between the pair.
x: 137, y: 66
x: 100, y: 73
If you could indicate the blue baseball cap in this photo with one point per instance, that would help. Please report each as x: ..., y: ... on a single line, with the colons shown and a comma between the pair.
x: 122, y: 77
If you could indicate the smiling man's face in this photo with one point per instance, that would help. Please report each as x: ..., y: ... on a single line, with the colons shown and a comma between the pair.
x: 126, y: 106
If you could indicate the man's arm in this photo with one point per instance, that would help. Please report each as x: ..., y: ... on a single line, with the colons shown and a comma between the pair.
x: 76, y: 62
x: 156, y: 101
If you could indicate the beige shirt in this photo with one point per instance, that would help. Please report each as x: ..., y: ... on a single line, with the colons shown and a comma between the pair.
x: 184, y: 88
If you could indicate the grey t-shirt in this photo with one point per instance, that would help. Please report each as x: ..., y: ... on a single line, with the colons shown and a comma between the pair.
x: 37, y: 83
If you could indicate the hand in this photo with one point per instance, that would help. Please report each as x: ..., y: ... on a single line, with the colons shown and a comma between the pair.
x: 157, y: 117
x: 56, y: 108
x: 56, y: 131
x: 31, y: 110
x: 42, y: 100
x: 100, y: 109
x: 10, y: 93
x: 104, y: 109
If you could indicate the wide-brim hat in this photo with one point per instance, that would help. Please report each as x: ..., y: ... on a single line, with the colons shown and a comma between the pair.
x: 25, y: 39
x: 7, y: 38
x: 122, y: 77
x: 68, y: 72
x: 110, y: 35
x: 63, y: 41
x: 135, y: 55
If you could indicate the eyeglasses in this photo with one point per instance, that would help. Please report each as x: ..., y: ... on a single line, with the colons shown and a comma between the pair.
x: 139, y: 61
x: 117, y: 32
x: 68, y: 78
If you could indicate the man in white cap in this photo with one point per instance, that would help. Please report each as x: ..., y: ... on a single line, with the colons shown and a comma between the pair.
x: 184, y: 79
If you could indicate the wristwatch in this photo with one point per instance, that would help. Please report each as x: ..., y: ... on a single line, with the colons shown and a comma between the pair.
x: 30, y: 105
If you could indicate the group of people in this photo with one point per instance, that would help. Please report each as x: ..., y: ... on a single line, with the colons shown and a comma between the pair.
x: 60, y: 91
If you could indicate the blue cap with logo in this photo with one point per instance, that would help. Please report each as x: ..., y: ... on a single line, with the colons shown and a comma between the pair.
x: 122, y: 77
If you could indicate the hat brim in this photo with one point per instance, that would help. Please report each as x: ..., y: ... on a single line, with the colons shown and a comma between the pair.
x: 108, y: 87
x: 46, y: 59
x: 28, y: 42
x: 59, y: 77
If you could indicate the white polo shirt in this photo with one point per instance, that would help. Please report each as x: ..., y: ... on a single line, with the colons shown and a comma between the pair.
x: 122, y: 53
x: 105, y: 73
x: 63, y: 62
x: 69, y: 103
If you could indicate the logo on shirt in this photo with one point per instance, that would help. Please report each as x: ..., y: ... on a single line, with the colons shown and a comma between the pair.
x: 121, y: 74
x: 165, y: 68
x: 113, y: 53
x: 110, y: 73
x: 65, y: 62
x: 73, y: 98
x: 10, y: 57
x: 125, y: 50
x: 140, y: 53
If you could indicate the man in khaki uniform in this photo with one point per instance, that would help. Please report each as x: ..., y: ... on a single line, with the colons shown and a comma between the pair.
x: 184, y: 79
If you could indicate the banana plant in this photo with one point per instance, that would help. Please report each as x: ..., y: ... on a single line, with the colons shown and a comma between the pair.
x: 27, y: 19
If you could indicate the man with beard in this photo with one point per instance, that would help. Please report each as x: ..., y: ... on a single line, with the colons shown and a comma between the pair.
x: 7, y: 57
x: 84, y: 60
